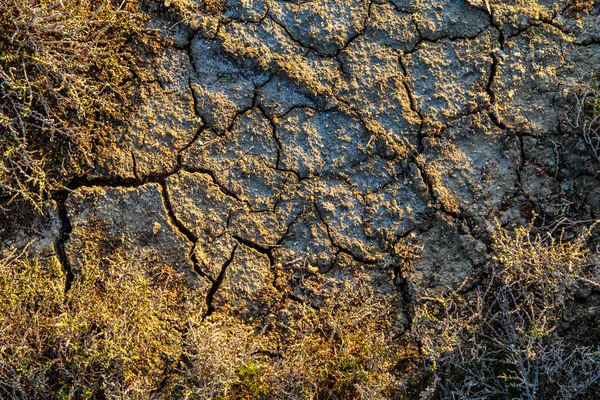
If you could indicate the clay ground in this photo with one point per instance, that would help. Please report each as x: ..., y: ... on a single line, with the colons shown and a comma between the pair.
x: 314, y: 139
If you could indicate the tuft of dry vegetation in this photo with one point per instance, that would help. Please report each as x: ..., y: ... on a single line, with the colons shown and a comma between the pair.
x: 586, y: 117
x: 115, y: 333
x: 503, y: 339
x: 65, y: 68
x: 31, y: 299
x: 344, y: 350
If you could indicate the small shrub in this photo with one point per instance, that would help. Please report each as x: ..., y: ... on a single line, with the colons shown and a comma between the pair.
x: 252, y: 383
x: 123, y: 327
x: 586, y: 117
x: 218, y: 354
x: 502, y: 340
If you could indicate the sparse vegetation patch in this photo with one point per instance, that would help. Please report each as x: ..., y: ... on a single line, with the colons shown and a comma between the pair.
x: 65, y: 68
x: 503, y: 340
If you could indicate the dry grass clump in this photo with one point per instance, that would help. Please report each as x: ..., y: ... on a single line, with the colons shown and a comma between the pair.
x: 64, y: 70
x: 125, y: 328
x: 215, y: 352
x: 503, y: 340
x: 115, y: 333
x: 344, y: 350
x: 31, y: 300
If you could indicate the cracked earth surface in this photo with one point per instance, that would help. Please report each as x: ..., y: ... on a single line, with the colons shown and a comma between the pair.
x: 314, y: 138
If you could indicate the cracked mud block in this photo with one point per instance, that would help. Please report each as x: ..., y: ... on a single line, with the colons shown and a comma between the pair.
x: 316, y: 76
x: 221, y: 226
x: 448, y: 78
x: 301, y: 81
x: 325, y: 26
x: 437, y: 19
x: 222, y: 88
x: 404, y: 6
x: 374, y: 85
x: 247, y: 275
x: 263, y: 228
x: 218, y: 221
x: 528, y: 80
x: 165, y: 121
x: 280, y: 95
x: 206, y: 211
x: 130, y: 224
x: 162, y: 123
x: 374, y: 173
x: 473, y: 167
x: 538, y: 73
x: 578, y: 19
x: 209, y: 212
x: 307, y: 243
x: 585, y: 27
x: 200, y: 204
x: 395, y: 210
x: 318, y: 143
x: 246, y: 10
x: 261, y: 44
x: 343, y: 212
x: 515, y: 16
x: 448, y: 257
x: 213, y: 255
x: 267, y: 47
x: 390, y: 27
x: 244, y: 160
